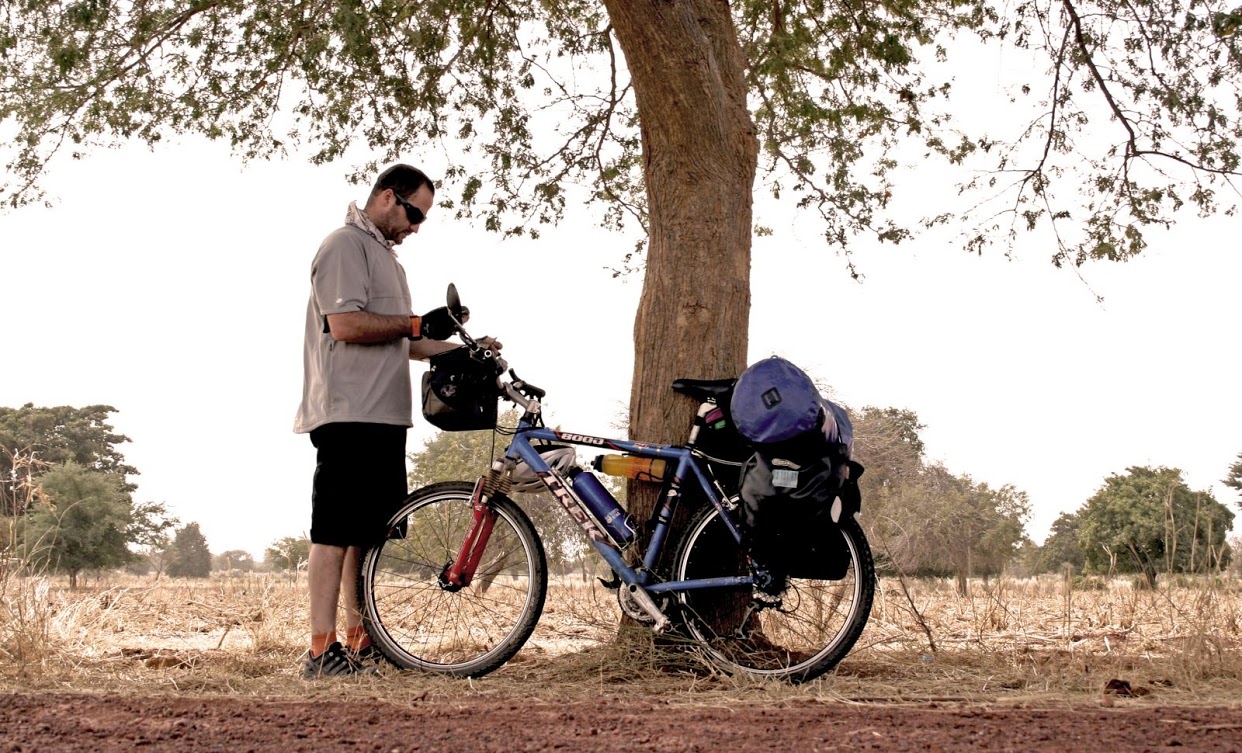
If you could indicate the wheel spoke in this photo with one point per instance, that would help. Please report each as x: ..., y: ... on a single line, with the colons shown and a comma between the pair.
x: 796, y: 634
x: 418, y: 622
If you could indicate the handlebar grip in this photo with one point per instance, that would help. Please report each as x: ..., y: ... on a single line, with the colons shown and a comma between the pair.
x: 527, y: 388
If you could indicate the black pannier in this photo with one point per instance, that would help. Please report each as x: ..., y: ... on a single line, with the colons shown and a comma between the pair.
x: 792, y: 529
x: 799, y: 481
x: 460, y: 392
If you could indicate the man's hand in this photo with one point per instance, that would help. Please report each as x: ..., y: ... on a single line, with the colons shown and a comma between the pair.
x: 437, y: 324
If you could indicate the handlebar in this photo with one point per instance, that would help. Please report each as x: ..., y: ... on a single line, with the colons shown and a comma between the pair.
x: 515, y: 389
x: 526, y: 388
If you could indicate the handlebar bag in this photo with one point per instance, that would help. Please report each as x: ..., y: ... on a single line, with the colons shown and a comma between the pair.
x: 460, y: 392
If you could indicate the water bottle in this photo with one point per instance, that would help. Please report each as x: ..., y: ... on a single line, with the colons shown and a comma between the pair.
x: 602, y: 506
x: 631, y: 466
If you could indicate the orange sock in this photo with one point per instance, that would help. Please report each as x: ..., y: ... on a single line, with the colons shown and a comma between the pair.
x: 321, y: 641
x: 356, y: 638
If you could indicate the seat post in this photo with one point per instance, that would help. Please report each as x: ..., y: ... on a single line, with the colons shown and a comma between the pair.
x: 705, y: 407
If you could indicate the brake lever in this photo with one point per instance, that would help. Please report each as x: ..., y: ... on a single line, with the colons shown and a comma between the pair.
x: 526, y: 387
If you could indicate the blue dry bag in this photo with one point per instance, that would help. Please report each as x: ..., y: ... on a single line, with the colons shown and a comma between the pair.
x: 775, y: 401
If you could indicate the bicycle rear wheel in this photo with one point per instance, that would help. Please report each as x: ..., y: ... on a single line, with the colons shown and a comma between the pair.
x: 812, y: 627
x: 419, y: 622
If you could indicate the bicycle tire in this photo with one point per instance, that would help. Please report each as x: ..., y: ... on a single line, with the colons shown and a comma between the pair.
x: 816, y: 625
x: 418, y: 623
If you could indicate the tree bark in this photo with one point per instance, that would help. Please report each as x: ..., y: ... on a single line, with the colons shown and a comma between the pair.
x: 700, y: 154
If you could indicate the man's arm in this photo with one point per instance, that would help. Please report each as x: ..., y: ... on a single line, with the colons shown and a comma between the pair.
x: 365, y: 327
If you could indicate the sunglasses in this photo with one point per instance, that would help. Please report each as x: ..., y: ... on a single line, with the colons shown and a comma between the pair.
x: 412, y: 213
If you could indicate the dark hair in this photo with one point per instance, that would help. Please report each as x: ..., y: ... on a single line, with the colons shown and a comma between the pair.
x: 403, y: 180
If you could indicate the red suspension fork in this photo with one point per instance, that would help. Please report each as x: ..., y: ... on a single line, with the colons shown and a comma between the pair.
x: 461, y: 570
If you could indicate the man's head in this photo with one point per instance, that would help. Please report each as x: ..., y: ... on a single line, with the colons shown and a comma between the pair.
x: 400, y: 200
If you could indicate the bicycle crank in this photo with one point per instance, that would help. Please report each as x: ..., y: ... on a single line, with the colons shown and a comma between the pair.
x: 639, y: 606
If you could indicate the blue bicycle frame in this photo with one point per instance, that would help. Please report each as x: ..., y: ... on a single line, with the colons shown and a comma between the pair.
x: 680, y: 458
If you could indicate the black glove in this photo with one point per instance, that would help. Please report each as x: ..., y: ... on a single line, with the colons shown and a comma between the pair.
x: 437, y: 324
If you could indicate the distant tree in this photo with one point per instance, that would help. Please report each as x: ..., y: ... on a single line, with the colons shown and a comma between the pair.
x: 457, y: 455
x: 288, y: 553
x: 1235, y: 544
x: 887, y: 443
x: 465, y: 455
x: 58, y: 435
x: 190, y: 555
x: 86, y: 526
x: 1026, y: 561
x: 923, y: 519
x: 150, y: 522
x: 1148, y: 521
x: 997, y: 530
x: 970, y: 529
x: 1062, y: 547
x: 150, y: 533
x: 237, y: 560
x: 159, y: 555
x: 1234, y: 478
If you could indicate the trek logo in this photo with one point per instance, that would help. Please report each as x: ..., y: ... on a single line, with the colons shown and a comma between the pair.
x: 580, y: 438
x: 571, y: 505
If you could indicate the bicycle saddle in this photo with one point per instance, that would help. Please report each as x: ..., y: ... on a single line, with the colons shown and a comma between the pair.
x: 702, y: 389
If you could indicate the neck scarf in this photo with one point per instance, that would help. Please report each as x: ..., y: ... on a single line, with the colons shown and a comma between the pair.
x: 359, y: 219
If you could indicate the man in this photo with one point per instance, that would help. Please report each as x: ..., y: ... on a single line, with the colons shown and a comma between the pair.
x: 357, y: 400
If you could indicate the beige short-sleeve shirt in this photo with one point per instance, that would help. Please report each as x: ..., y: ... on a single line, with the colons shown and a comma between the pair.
x: 354, y: 382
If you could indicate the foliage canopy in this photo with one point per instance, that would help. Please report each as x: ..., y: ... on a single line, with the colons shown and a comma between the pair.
x: 1122, y: 114
x: 87, y: 526
x: 288, y: 553
x: 61, y: 434
x: 190, y: 555
x: 921, y: 517
x: 1149, y: 522
x: 1233, y: 479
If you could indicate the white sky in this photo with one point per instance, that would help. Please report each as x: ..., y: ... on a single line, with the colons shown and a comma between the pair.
x: 173, y: 286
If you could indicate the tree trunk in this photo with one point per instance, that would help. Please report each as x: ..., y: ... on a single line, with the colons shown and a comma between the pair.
x: 700, y: 154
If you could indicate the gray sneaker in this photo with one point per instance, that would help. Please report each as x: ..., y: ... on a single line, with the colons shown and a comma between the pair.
x: 334, y: 662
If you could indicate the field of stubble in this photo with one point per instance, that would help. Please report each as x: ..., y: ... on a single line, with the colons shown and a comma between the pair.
x: 1034, y: 640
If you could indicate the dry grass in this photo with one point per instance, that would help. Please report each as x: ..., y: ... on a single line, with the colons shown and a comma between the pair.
x: 1039, y: 641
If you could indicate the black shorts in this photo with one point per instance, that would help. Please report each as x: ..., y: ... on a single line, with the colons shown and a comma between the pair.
x: 360, y: 481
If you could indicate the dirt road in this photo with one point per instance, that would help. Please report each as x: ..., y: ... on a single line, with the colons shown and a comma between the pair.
x: 42, y: 722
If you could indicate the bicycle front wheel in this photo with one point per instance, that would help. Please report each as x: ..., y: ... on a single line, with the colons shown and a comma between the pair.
x: 796, y: 637
x: 417, y: 620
